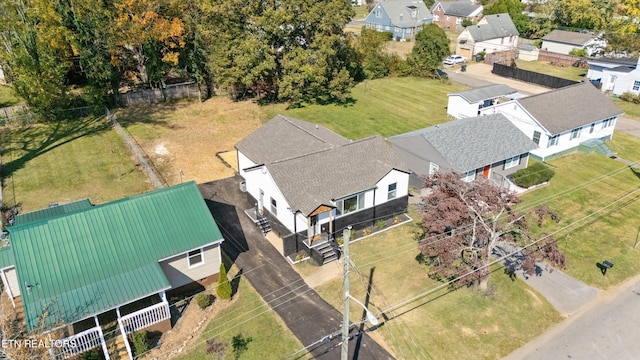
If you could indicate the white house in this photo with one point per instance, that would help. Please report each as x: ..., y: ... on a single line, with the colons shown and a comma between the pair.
x: 468, y: 103
x: 563, y: 42
x: 493, y: 33
x: 313, y: 182
x: 560, y: 120
x: 615, y: 76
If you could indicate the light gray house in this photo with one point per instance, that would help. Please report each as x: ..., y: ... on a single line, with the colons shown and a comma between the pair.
x: 485, y: 146
x: 403, y: 18
x: 494, y: 33
x: 562, y: 42
x: 615, y: 76
x: 468, y: 103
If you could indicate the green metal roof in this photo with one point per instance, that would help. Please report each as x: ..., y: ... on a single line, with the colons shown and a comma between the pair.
x: 52, y: 211
x: 6, y: 257
x: 90, y: 261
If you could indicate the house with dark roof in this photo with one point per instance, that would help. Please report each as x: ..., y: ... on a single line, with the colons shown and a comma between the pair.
x: 615, y: 76
x: 450, y: 14
x: 86, y: 266
x: 494, y: 33
x: 310, y: 183
x: 403, y: 18
x: 563, y: 42
x: 560, y: 120
x: 486, y: 146
x: 468, y: 103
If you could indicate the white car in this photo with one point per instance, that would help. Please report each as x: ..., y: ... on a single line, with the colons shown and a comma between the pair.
x: 454, y: 59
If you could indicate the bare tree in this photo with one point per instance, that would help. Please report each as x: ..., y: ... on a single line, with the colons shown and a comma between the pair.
x: 466, y: 224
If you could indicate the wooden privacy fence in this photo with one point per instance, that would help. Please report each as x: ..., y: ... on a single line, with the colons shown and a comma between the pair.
x: 562, y: 59
x: 169, y: 92
x: 501, y: 57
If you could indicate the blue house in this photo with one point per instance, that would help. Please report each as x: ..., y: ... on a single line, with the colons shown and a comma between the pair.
x: 403, y: 18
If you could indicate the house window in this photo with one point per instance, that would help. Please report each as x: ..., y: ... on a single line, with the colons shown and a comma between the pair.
x: 469, y: 176
x: 436, y: 17
x: 195, y: 258
x: 592, y: 128
x: 553, y: 141
x: 391, y: 191
x: 575, y: 133
x: 458, y: 21
x: 433, y: 168
x: 512, y: 162
x: 378, y: 13
x: 536, y: 137
x: 448, y: 18
x: 397, y: 29
x: 636, y: 85
x: 274, y: 207
x: 608, y: 122
x: 350, y: 204
x: 387, y: 28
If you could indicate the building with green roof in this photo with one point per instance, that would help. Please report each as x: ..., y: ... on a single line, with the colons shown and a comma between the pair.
x: 78, y: 262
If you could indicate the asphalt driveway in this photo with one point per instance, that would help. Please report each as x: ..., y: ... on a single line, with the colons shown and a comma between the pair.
x: 306, y: 314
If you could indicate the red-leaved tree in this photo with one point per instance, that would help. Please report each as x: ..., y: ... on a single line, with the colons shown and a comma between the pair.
x: 466, y: 225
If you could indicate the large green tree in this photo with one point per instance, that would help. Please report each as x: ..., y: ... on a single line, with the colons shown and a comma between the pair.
x: 514, y: 8
x: 430, y: 48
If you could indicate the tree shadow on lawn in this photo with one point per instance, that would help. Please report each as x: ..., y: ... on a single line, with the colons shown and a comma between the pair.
x: 155, y: 114
x: 37, y: 140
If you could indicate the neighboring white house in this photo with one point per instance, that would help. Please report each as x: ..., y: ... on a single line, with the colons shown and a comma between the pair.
x: 563, y: 42
x: 468, y: 103
x: 560, y: 120
x: 314, y: 183
x: 493, y: 33
x: 615, y: 76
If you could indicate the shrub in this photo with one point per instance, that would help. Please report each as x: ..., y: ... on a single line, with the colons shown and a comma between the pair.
x: 140, y: 342
x: 301, y: 256
x: 340, y: 241
x: 203, y: 300
x: 396, y: 220
x: 578, y: 52
x: 93, y: 354
x: 217, y: 348
x: 366, y: 232
x: 533, y: 175
x: 388, y: 35
x: 627, y: 96
x: 466, y: 22
x: 224, y: 286
x: 381, y: 224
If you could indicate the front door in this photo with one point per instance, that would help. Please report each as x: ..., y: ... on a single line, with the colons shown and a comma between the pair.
x: 315, y: 226
x: 486, y: 170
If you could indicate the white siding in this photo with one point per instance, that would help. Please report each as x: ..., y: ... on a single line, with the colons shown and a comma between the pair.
x: 496, y: 45
x: 12, y: 278
x: 559, y: 48
x: 458, y: 107
x: 177, y: 268
x: 394, y: 176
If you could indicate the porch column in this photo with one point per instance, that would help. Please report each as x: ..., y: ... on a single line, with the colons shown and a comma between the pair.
x: 102, y: 342
x: 331, y: 223
x: 5, y: 282
x: 309, y: 230
x: 124, y: 334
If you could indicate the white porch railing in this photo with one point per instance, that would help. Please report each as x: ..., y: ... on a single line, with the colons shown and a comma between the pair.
x: 146, y: 317
x: 79, y: 343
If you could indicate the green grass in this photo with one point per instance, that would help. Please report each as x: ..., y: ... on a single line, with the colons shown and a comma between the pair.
x: 630, y: 109
x: 441, y: 324
x: 251, y: 318
x: 387, y: 107
x: 565, y: 72
x: 361, y: 12
x: 593, y: 185
x: 8, y: 97
x: 67, y: 161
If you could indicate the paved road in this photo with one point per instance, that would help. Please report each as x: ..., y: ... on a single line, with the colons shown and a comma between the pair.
x: 608, y: 329
x: 305, y: 313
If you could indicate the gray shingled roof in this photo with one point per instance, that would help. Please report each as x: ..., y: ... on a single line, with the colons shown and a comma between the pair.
x: 462, y: 8
x: 497, y: 26
x: 569, y: 107
x: 314, y: 179
x: 283, y: 137
x: 568, y: 37
x: 486, y: 92
x: 396, y: 8
x: 466, y: 144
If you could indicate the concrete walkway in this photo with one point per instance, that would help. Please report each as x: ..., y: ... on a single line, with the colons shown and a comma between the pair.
x: 311, y: 319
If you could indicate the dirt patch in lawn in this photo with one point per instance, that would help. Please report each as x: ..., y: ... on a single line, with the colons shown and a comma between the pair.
x: 182, y: 139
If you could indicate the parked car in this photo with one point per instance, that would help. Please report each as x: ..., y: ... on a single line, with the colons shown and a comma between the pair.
x: 454, y: 59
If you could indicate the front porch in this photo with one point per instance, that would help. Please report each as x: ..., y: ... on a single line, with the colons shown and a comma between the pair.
x: 109, y: 332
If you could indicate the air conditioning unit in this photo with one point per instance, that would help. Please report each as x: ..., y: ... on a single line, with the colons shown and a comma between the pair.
x: 243, y: 186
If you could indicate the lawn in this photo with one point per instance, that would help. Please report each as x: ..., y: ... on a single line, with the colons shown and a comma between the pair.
x: 605, y: 190
x: 67, y: 161
x: 440, y: 324
x: 544, y: 67
x: 387, y: 107
x: 8, y: 97
x: 361, y: 12
x: 250, y: 319
x: 630, y: 109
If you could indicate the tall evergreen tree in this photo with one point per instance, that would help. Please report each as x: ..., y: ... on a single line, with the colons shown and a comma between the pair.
x: 430, y: 48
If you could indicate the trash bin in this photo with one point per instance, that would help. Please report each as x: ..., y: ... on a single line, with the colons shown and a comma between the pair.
x: 478, y: 58
x: 463, y: 68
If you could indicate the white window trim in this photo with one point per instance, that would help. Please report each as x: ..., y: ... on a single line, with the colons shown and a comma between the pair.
x: 512, y: 162
x: 394, y: 191
x: 469, y: 176
x: 200, y: 263
x: 433, y: 168
x: 340, y: 210
x: 575, y: 133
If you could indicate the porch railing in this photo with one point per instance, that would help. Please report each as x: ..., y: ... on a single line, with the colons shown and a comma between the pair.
x: 146, y: 317
x: 79, y: 343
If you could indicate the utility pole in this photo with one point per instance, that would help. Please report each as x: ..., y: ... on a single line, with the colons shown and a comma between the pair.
x: 346, y: 233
